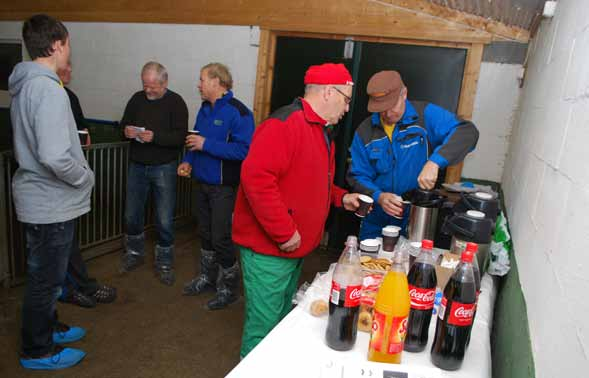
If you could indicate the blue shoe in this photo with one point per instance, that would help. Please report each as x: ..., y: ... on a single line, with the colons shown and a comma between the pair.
x: 66, y: 358
x: 64, y: 334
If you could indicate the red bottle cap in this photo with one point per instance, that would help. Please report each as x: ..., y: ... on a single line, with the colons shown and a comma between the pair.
x: 427, y: 244
x: 467, y: 256
x: 473, y: 247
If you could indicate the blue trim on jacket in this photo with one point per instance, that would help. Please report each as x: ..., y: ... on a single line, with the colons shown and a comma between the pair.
x: 380, y: 165
x: 227, y: 128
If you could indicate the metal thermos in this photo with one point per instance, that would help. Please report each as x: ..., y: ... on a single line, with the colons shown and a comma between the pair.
x: 472, y: 226
x: 422, y: 223
x: 423, y: 217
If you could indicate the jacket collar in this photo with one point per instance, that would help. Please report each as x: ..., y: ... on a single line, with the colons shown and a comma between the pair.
x: 309, y: 113
x: 219, y: 103
x: 409, y: 117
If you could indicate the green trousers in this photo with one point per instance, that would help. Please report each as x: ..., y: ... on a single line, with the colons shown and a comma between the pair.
x: 269, y: 284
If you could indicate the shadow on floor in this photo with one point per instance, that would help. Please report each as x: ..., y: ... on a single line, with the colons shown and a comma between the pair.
x: 151, y: 330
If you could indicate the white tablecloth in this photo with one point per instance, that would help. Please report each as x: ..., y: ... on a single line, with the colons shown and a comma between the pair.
x: 296, y: 348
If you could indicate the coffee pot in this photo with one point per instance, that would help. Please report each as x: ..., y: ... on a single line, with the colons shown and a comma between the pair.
x: 472, y: 226
x: 423, y: 216
x: 481, y: 201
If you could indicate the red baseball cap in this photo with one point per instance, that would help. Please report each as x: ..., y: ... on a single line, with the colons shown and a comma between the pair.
x: 328, y: 73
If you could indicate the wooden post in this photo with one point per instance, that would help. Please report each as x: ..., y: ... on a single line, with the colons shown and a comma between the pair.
x: 472, y: 67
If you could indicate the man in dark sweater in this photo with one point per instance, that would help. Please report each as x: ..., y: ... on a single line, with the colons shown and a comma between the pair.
x: 156, y: 122
x: 79, y: 288
x: 65, y: 76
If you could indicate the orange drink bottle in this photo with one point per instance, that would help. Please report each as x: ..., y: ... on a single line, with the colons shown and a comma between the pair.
x: 391, y: 309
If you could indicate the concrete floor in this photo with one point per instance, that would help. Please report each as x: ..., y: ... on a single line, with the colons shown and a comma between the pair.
x: 151, y: 330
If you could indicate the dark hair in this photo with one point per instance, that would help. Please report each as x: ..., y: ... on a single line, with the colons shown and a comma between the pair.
x: 40, y: 32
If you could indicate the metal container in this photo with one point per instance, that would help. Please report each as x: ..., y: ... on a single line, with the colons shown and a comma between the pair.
x: 472, y: 226
x: 422, y: 223
x: 423, y: 217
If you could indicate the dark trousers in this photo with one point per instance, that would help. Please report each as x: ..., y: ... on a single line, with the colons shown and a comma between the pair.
x: 214, y: 205
x: 77, y: 275
x: 48, y: 248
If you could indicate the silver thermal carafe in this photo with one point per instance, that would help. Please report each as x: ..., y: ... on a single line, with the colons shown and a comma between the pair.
x: 423, y: 217
x: 472, y: 226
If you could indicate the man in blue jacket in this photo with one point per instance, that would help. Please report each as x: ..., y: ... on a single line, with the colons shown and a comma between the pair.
x: 225, y: 128
x: 401, y: 146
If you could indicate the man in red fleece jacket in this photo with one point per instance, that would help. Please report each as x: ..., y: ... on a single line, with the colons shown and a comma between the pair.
x: 284, y: 196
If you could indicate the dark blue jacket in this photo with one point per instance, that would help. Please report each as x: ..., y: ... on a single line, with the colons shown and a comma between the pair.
x: 425, y: 132
x: 227, y: 128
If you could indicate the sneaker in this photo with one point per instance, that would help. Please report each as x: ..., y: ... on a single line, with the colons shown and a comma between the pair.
x: 61, y: 359
x: 65, y: 334
x: 130, y: 262
x: 105, y: 294
x: 79, y: 299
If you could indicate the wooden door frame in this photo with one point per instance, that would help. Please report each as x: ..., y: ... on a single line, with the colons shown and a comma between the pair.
x: 267, y: 55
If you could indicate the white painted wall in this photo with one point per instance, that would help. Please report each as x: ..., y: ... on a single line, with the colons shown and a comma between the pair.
x: 495, y: 106
x: 546, y: 182
x: 107, y: 60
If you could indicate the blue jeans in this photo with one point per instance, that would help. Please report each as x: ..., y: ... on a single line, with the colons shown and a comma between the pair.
x: 161, y: 181
x: 48, y: 248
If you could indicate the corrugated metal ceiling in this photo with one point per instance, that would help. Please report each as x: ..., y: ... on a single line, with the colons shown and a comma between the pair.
x: 520, y: 13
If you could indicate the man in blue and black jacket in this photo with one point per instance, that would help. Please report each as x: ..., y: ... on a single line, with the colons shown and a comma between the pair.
x: 401, y: 146
x: 225, y: 127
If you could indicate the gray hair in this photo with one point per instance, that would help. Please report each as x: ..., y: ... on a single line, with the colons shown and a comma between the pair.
x: 158, y: 68
x: 310, y: 88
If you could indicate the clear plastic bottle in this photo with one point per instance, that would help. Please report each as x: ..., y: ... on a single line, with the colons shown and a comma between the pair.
x: 344, y: 302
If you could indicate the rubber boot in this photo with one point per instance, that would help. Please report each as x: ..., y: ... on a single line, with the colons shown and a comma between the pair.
x: 208, y: 275
x: 227, y: 286
x: 134, y: 255
x: 164, y: 264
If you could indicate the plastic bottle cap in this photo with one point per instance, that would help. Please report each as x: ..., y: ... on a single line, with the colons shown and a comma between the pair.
x: 416, y: 244
x: 472, y: 247
x: 427, y: 244
x: 467, y: 256
x: 352, y: 240
x: 475, y: 214
x: 484, y: 196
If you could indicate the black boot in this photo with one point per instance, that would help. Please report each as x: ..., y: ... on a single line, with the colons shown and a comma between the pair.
x: 227, y: 285
x: 133, y: 257
x: 208, y: 275
x: 164, y: 264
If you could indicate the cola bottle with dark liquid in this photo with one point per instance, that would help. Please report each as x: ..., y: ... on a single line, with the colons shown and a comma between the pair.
x: 344, y: 301
x: 422, y: 291
x: 456, y: 315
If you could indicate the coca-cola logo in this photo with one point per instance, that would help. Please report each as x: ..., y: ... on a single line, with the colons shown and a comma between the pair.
x: 465, y: 313
x: 355, y: 294
x: 422, y: 296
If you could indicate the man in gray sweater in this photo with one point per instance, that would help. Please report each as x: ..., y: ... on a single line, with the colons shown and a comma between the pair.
x: 51, y: 187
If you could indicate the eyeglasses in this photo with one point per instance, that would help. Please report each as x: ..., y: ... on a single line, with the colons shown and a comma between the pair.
x: 348, y: 99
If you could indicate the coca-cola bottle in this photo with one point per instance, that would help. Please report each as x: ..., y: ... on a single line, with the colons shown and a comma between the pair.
x: 422, y: 291
x: 344, y: 301
x: 456, y: 315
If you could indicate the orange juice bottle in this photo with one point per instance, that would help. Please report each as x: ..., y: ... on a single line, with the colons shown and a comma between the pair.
x: 391, y: 309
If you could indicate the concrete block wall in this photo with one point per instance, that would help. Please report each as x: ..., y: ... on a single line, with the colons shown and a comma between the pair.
x: 107, y: 60
x: 546, y: 184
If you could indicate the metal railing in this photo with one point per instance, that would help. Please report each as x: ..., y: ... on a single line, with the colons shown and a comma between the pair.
x: 104, y: 222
